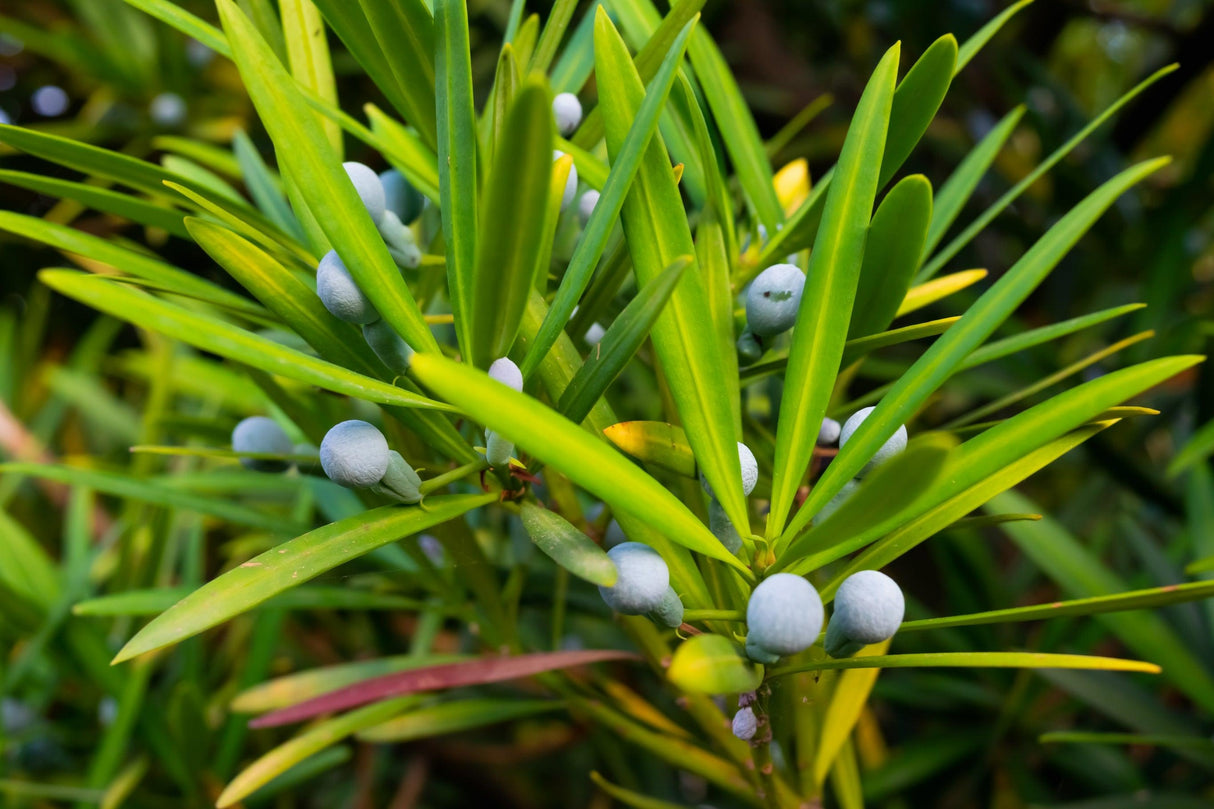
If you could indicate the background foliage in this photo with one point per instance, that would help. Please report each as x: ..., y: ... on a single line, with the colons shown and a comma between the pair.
x: 1129, y: 509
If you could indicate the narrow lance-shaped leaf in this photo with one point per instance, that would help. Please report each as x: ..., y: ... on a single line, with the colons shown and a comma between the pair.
x: 978, y: 225
x: 211, y: 334
x: 655, y: 224
x: 319, y: 178
x: 830, y: 289
x: 619, y: 344
x: 978, y: 323
x: 891, y: 256
x: 456, y: 716
x: 514, y: 216
x: 606, y: 212
x: 404, y: 30
x: 587, y: 461
x: 292, y: 563
x: 567, y: 546
x: 973, y: 660
x: 101, y: 199
x: 457, y: 156
x: 307, y: 45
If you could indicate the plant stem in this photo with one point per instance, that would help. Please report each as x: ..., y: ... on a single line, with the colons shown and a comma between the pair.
x: 439, y: 481
x: 714, y: 615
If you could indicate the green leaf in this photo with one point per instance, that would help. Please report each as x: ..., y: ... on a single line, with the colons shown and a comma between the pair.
x: 919, y: 95
x: 211, y: 334
x: 404, y: 150
x: 830, y: 288
x: 1196, y: 449
x: 620, y: 343
x: 264, y: 186
x: 306, y: 744
x: 979, y: 322
x: 655, y: 225
x: 847, y: 702
x: 737, y: 128
x: 514, y: 214
x: 984, y: 34
x: 101, y: 199
x: 567, y: 546
x: 960, y: 185
x: 593, y: 241
x: 1202, y: 743
x: 654, y: 442
x: 558, y: 442
x: 1119, y: 602
x: 576, y: 62
x: 157, y: 600
x: 711, y: 664
x: 185, y: 22
x: 453, y: 717
x: 894, y: 243
x: 307, y: 47
x: 915, y: 102
x: 311, y: 163
x: 974, y: 660
x: 293, y: 563
x: 404, y: 30
x: 156, y: 492
x: 1044, y: 334
x: 979, y: 224
x: 553, y: 33
x: 627, y: 797
x: 457, y: 151
x: 882, y: 496
x: 1080, y: 573
x: 414, y: 99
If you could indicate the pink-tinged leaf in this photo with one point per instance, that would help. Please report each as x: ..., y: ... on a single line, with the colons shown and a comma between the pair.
x: 437, y: 678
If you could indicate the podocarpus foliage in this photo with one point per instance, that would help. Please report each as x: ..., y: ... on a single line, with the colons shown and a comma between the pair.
x: 686, y: 213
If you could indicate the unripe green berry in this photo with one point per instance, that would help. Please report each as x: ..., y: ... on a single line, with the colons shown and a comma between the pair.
x: 570, y: 184
x: 355, y: 454
x: 773, y: 299
x: 893, y: 445
x: 868, y: 609
x: 722, y: 527
x: 340, y: 294
x: 568, y: 112
x: 370, y: 189
x: 750, y: 349
x: 401, y: 197
x: 642, y: 582
x: 261, y: 434
x: 784, y: 616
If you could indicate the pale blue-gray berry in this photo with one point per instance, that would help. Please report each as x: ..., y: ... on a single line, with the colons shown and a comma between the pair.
x: 893, y: 445
x: 388, y: 346
x: 868, y: 609
x: 370, y: 189
x: 340, y: 293
x: 505, y: 371
x: 670, y: 612
x: 722, y: 527
x: 829, y: 432
x: 745, y: 723
x: 838, y: 500
x: 570, y: 184
x: 355, y: 454
x: 497, y: 449
x: 750, y: 348
x: 594, y: 334
x: 168, y: 109
x: 783, y: 617
x: 750, y: 471
x: 260, y: 434
x: 585, y: 205
x: 773, y: 299
x: 643, y: 579
x: 401, y: 197
x: 568, y: 112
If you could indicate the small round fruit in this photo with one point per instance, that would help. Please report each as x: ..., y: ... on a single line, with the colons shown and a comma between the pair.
x: 750, y: 471
x: 570, y: 184
x: 355, y: 454
x: 773, y: 299
x: 868, y: 609
x: 401, y: 197
x: 585, y: 205
x: 505, y: 371
x: 340, y: 294
x: 568, y: 112
x: 829, y: 432
x: 835, y: 502
x: 370, y: 189
x: 643, y: 579
x: 745, y: 724
x: 894, y: 445
x: 784, y: 615
x: 261, y: 434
